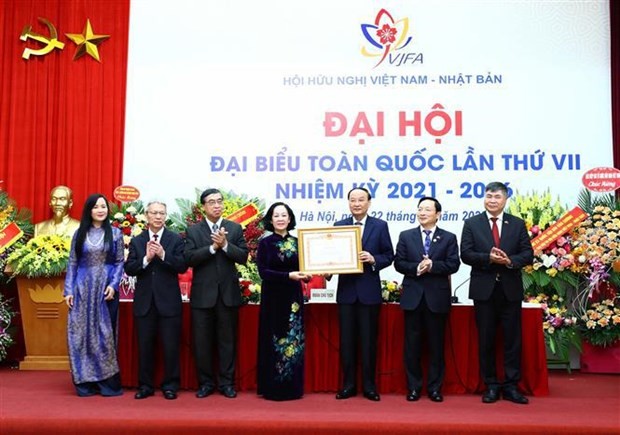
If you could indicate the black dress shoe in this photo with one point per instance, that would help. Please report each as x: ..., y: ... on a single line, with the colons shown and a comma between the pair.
x: 435, y: 396
x: 514, y: 396
x: 228, y: 392
x: 170, y: 395
x: 372, y: 395
x: 346, y: 393
x: 491, y: 395
x: 143, y: 393
x: 413, y: 396
x: 205, y: 391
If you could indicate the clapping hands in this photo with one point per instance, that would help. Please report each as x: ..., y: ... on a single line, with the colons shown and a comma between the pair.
x: 499, y: 257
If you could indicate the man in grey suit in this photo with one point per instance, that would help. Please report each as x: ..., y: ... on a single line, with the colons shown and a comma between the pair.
x: 426, y: 255
x: 213, y: 247
x: 496, y: 246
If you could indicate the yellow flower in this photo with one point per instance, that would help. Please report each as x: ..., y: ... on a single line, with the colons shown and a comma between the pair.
x: 295, y: 307
x: 290, y: 351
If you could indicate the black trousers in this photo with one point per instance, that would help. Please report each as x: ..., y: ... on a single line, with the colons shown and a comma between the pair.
x: 498, y: 310
x: 211, y: 328
x: 419, y: 324
x: 169, y: 330
x: 358, y: 322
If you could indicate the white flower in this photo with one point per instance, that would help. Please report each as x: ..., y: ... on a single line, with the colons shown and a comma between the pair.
x: 119, y: 216
x: 131, y: 210
x: 548, y: 260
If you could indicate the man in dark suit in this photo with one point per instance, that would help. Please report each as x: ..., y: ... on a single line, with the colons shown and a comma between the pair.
x: 212, y: 248
x: 496, y: 246
x: 426, y: 255
x: 359, y: 298
x: 156, y: 258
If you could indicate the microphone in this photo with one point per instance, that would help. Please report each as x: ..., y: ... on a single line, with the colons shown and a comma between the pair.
x: 455, y: 299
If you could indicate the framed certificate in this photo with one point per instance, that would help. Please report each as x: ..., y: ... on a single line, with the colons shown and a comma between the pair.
x: 330, y: 250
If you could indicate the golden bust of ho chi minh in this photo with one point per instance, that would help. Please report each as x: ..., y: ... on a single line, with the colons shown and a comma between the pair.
x: 61, y: 201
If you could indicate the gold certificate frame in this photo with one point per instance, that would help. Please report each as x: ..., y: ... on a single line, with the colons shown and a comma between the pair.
x: 330, y: 250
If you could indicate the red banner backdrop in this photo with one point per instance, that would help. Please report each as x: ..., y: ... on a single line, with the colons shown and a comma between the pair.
x: 62, y: 120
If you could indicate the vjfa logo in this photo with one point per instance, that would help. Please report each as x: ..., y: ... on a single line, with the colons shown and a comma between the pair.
x: 385, y: 36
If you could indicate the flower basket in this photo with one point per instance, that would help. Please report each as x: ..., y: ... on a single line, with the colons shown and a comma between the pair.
x: 41, y: 256
x: 6, y: 315
x: 15, y: 228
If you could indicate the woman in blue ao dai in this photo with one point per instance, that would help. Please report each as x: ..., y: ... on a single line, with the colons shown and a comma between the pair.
x: 91, y: 291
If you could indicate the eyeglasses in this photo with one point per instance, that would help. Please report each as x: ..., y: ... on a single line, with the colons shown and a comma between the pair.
x: 215, y: 201
x: 157, y: 213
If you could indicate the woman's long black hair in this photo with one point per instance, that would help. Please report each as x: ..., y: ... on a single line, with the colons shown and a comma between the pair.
x: 87, y: 221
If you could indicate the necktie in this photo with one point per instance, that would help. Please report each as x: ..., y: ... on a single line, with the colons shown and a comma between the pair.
x: 427, y: 241
x: 358, y: 223
x: 155, y: 236
x: 495, y: 231
x: 214, y: 227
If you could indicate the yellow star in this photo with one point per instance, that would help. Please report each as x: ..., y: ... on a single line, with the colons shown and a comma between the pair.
x: 87, y: 42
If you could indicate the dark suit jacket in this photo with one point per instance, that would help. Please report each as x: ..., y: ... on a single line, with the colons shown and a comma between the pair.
x: 158, y: 283
x: 476, y: 244
x: 434, y: 285
x: 366, y: 287
x: 215, y: 273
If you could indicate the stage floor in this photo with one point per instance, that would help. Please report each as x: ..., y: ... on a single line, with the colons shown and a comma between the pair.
x: 37, y: 401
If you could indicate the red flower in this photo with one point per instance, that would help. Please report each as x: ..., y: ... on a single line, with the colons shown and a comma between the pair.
x: 126, y: 231
x: 386, y: 34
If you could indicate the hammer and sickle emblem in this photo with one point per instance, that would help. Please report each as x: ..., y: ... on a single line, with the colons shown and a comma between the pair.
x: 51, y: 43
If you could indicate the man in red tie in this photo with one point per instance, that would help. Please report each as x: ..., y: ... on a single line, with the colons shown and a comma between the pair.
x: 156, y: 258
x: 496, y: 246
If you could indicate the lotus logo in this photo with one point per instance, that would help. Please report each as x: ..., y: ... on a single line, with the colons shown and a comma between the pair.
x: 385, y: 36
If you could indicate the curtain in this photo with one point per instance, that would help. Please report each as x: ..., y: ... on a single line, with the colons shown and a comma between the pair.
x: 62, y: 120
x: 615, y: 80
